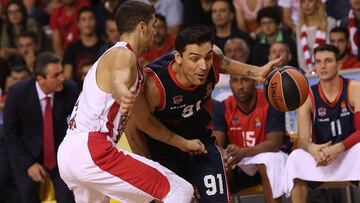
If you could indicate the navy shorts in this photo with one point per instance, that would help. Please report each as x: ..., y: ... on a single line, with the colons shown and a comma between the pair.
x: 205, y: 172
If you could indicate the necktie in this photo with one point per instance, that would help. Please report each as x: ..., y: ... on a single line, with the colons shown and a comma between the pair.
x: 49, y: 146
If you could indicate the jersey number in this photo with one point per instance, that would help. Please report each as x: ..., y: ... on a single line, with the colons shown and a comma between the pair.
x: 249, y: 137
x: 211, y: 183
x: 189, y: 110
x: 335, y: 125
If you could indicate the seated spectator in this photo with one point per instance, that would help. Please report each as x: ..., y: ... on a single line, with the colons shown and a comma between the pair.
x: 83, y: 52
x: 163, y: 41
x: 237, y: 49
x: 16, y: 23
x: 280, y: 49
x: 112, y: 35
x: 222, y: 15
x: 339, y: 37
x: 312, y: 31
x: 352, y: 22
x: 28, y: 49
x: 269, y: 20
x: 63, y: 23
x: 328, y: 130
x: 254, y: 132
x: 173, y: 12
x: 17, y: 73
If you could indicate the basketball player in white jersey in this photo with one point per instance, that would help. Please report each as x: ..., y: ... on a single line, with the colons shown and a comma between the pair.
x: 89, y: 161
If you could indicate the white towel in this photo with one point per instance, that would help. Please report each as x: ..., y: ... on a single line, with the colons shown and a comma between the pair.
x: 275, y: 167
x: 300, y: 164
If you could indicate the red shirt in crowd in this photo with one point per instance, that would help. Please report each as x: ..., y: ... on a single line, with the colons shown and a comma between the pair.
x: 67, y: 24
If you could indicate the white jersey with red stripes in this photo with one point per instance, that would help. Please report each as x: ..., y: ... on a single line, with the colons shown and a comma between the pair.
x: 96, y: 110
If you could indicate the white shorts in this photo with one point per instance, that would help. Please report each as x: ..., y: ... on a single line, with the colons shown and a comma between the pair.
x: 301, y: 165
x: 96, y: 170
x: 275, y: 167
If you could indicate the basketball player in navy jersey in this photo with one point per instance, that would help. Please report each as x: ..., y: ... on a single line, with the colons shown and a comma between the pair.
x: 331, y: 114
x: 254, y: 131
x: 178, y: 91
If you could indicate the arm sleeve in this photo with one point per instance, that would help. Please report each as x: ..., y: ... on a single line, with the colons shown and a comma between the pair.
x: 18, y: 155
x: 219, y: 116
x: 354, y: 138
x: 275, y: 121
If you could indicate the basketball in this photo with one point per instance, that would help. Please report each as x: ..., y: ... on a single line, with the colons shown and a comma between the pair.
x: 286, y: 88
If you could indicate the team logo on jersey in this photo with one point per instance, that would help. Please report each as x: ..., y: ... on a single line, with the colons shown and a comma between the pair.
x: 257, y: 122
x: 235, y: 120
x: 321, y: 111
x: 178, y: 99
x: 209, y: 88
x: 343, y: 107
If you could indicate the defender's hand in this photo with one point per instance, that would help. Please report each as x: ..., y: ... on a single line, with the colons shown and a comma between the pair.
x: 128, y: 100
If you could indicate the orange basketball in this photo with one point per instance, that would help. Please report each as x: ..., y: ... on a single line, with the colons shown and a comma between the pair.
x: 286, y: 88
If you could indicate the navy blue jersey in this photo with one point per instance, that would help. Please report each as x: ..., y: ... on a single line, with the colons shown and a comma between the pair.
x: 332, y: 121
x: 184, y: 110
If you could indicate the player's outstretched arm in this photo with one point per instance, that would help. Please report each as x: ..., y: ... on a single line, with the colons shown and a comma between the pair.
x: 229, y: 66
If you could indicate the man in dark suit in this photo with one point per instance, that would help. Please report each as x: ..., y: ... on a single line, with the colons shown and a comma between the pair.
x: 35, y: 123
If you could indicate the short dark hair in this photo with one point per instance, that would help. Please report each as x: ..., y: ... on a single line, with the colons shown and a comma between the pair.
x: 42, y: 61
x: 160, y: 17
x: 198, y: 34
x: 341, y: 30
x: 83, y: 10
x: 328, y: 47
x: 269, y: 12
x: 229, y: 3
x: 20, y: 68
x: 31, y: 35
x: 130, y: 13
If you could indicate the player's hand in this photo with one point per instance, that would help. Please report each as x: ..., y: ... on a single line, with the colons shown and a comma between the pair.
x: 234, y: 155
x: 333, y: 151
x: 194, y: 147
x: 316, y: 151
x: 37, y: 173
x: 267, y: 68
x: 128, y: 100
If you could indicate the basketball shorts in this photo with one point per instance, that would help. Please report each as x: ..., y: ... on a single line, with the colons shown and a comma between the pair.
x: 205, y: 172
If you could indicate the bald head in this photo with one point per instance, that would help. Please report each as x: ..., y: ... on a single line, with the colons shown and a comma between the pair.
x: 237, y: 49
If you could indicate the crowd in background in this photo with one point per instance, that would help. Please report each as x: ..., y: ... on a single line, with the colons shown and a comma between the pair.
x: 81, y: 30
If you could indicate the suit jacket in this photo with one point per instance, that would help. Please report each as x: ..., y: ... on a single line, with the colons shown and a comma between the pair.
x: 23, y: 121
